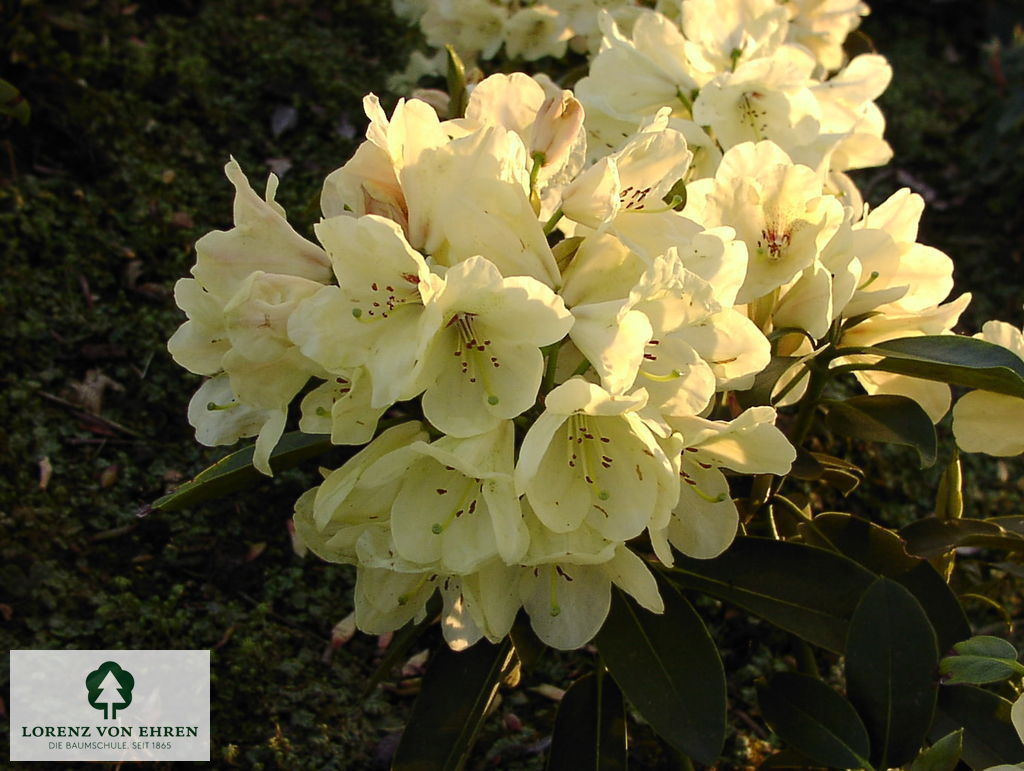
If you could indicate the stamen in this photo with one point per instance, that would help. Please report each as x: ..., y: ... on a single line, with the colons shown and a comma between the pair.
x: 467, y: 346
x: 774, y: 243
x: 582, y: 448
x: 214, y: 407
x: 753, y: 115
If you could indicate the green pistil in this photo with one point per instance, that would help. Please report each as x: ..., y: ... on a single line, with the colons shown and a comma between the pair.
x: 556, y: 610
x: 871, y: 279
x: 734, y: 56
x: 673, y: 375
x: 460, y: 508
x: 549, y: 226
x: 686, y: 101
x: 538, y: 162
x: 404, y: 598
x: 709, y: 498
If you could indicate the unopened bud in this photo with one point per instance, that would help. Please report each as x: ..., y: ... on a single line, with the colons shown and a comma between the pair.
x: 343, y: 631
x: 557, y: 126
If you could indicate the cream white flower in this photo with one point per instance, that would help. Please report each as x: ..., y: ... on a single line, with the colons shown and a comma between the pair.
x: 724, y: 34
x: 989, y: 422
x: 475, y: 27
x: 219, y: 417
x: 261, y: 239
x: 471, y: 197
x: 256, y: 317
x: 568, y: 602
x: 631, y: 181
x: 590, y: 459
x: 582, y: 18
x: 374, y: 317
x: 851, y: 125
x: 765, y: 98
x: 822, y: 26
x: 481, y: 604
x: 632, y: 78
x: 338, y: 521
x: 483, y: 362
x: 248, y: 282
x: 705, y: 520
x: 547, y: 118
x: 775, y: 206
x: 685, y: 315
x: 260, y: 268
x: 456, y: 508
x: 386, y: 600
x: 535, y: 32
x: 369, y: 182
x: 342, y: 407
x: 899, y: 275
x: 807, y: 303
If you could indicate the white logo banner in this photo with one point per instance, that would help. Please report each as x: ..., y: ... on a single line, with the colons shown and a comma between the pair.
x: 110, y: 705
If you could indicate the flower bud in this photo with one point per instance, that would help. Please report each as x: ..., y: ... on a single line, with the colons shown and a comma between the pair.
x: 557, y: 126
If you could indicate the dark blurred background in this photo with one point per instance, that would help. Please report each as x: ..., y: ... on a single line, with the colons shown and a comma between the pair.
x: 135, y: 108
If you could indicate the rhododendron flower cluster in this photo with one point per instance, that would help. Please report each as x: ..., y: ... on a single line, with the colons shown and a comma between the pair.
x: 536, y: 316
x: 738, y: 72
x: 528, y: 30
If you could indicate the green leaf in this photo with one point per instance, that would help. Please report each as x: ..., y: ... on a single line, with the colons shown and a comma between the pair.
x: 962, y: 361
x: 981, y: 659
x: 885, y: 418
x: 806, y: 466
x: 838, y: 473
x: 590, y: 730
x: 977, y: 669
x: 669, y: 668
x: 814, y: 720
x: 760, y: 393
x: 883, y: 552
x: 932, y: 537
x: 1012, y: 524
x: 784, y: 583
x: 891, y: 653
x: 13, y: 103
x: 987, y: 645
x: 456, y: 690
x: 989, y: 737
x: 941, y: 756
x: 235, y: 471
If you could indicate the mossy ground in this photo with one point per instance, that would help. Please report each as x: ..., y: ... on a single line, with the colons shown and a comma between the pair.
x: 136, y: 107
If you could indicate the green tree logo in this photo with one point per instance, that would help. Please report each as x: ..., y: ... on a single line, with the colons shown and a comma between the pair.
x: 110, y: 688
